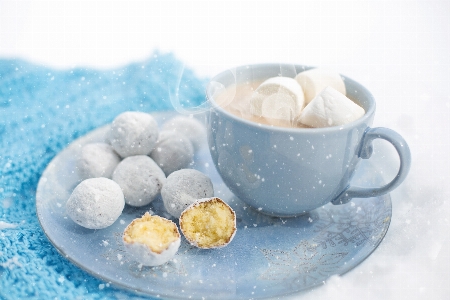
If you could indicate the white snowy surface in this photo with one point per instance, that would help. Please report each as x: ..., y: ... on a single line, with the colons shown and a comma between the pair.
x: 398, y: 49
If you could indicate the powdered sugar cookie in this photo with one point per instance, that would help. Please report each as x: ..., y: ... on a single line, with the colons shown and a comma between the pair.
x: 151, y: 240
x: 173, y: 151
x: 133, y: 133
x: 192, y: 128
x: 184, y: 187
x: 95, y: 203
x: 208, y: 223
x: 140, y: 179
x: 97, y: 160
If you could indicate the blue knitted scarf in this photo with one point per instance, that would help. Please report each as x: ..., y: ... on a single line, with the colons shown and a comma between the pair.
x: 41, y: 111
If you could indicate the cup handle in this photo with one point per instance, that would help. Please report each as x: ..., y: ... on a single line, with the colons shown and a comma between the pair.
x: 366, y: 151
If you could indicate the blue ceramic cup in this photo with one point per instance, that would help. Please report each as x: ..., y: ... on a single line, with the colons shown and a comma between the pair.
x: 288, y: 171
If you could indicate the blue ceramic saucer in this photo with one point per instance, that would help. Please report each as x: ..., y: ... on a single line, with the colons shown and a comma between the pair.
x: 268, y: 257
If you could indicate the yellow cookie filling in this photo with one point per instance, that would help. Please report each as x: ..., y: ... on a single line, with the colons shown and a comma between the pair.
x: 154, y: 231
x: 209, y: 223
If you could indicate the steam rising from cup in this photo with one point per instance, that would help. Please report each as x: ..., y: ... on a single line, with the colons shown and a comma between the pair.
x: 215, y: 87
x: 175, y: 99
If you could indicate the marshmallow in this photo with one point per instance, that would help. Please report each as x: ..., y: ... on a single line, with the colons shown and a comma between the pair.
x: 277, y: 89
x: 133, y: 133
x: 330, y: 108
x: 279, y: 106
x: 95, y: 203
x: 315, y: 80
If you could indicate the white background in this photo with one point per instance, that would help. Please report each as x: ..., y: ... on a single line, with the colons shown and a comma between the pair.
x: 400, y: 50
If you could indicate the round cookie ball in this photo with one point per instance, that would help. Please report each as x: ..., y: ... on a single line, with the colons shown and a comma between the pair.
x: 192, y: 128
x: 95, y: 203
x: 151, y: 240
x: 184, y: 187
x: 208, y: 223
x: 173, y: 151
x: 97, y: 160
x: 140, y: 178
x: 133, y: 133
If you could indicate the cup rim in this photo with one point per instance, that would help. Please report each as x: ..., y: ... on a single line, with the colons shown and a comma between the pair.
x: 347, y: 80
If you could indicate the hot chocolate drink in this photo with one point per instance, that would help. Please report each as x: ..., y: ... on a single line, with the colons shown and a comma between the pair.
x: 330, y: 109
x: 236, y: 100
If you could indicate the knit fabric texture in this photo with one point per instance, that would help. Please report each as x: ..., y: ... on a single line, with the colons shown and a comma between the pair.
x: 42, y: 110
